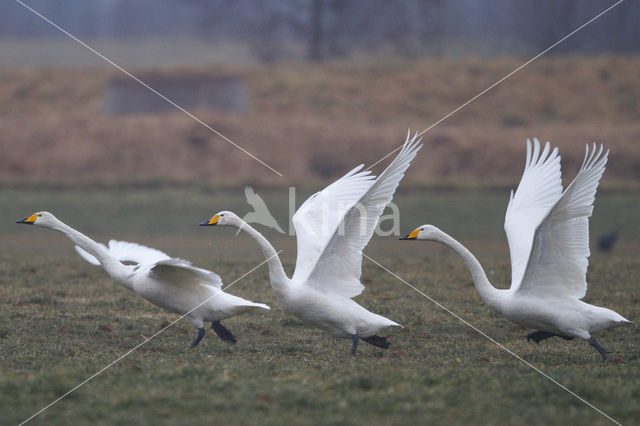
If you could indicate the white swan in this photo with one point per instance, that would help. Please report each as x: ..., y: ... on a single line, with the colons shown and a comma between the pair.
x: 548, y: 234
x: 170, y: 283
x: 332, y: 227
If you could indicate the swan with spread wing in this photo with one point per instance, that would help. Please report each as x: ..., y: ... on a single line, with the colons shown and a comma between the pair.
x: 332, y: 228
x: 170, y: 283
x: 548, y: 234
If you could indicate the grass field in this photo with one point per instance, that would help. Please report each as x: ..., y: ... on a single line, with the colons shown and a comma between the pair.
x: 63, y: 320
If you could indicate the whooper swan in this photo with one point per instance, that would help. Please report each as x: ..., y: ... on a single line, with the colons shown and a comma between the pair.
x: 332, y: 228
x: 170, y: 283
x: 548, y: 234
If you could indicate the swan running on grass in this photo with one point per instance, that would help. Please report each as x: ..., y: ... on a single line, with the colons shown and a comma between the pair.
x: 170, y: 283
x: 548, y: 234
x: 332, y: 228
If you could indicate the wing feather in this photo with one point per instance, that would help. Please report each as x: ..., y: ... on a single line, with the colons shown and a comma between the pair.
x: 559, y: 255
x: 180, y: 272
x: 161, y: 266
x: 539, y: 189
x: 339, y: 267
x: 320, y: 215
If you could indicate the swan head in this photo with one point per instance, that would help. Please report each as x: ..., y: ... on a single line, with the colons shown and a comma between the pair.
x: 424, y: 232
x: 223, y: 218
x: 45, y: 219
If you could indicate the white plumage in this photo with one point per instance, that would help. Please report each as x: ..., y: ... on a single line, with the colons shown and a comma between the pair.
x: 332, y: 228
x: 170, y: 283
x: 548, y: 234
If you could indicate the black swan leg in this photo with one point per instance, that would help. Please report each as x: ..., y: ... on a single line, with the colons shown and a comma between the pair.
x: 378, y: 341
x: 538, y: 336
x: 198, y: 337
x: 355, y: 343
x: 223, y: 332
x: 600, y: 349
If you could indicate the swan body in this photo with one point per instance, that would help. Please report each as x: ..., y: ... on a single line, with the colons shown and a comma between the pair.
x: 548, y: 234
x: 170, y: 283
x: 332, y: 228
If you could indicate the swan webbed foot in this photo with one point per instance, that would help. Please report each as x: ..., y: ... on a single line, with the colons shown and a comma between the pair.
x: 355, y: 343
x: 600, y: 349
x: 378, y: 341
x: 198, y: 337
x: 223, y: 332
x: 538, y: 336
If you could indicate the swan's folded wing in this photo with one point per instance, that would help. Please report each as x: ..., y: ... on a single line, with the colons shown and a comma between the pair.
x: 319, y: 216
x: 559, y: 256
x: 339, y: 267
x: 539, y: 189
x: 180, y: 272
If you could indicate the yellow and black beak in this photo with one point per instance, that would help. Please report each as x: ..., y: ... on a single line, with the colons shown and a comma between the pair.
x: 211, y: 222
x: 412, y: 236
x: 29, y: 220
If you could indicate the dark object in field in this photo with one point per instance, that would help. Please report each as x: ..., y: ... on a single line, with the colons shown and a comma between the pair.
x: 607, y: 241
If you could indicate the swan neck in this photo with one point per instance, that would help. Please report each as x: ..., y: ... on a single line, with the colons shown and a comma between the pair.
x: 487, y: 291
x: 277, y: 276
x: 114, y: 268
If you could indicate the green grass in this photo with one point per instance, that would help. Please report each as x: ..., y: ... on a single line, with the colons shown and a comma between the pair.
x: 63, y: 320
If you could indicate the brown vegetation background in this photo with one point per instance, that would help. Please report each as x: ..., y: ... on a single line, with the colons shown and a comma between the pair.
x: 313, y: 122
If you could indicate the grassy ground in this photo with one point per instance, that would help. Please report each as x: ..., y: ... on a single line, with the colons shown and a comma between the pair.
x: 63, y: 320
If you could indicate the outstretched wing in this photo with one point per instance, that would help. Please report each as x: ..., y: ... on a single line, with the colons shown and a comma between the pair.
x: 182, y: 273
x: 319, y: 216
x: 559, y: 256
x: 539, y: 189
x: 339, y: 267
x: 169, y: 270
x: 124, y: 251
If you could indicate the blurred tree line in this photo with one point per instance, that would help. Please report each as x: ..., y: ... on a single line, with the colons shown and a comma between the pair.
x: 344, y: 28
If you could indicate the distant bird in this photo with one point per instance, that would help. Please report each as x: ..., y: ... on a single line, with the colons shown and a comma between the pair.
x: 260, y: 214
x: 548, y: 234
x: 170, y: 283
x: 607, y: 241
x: 332, y: 228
